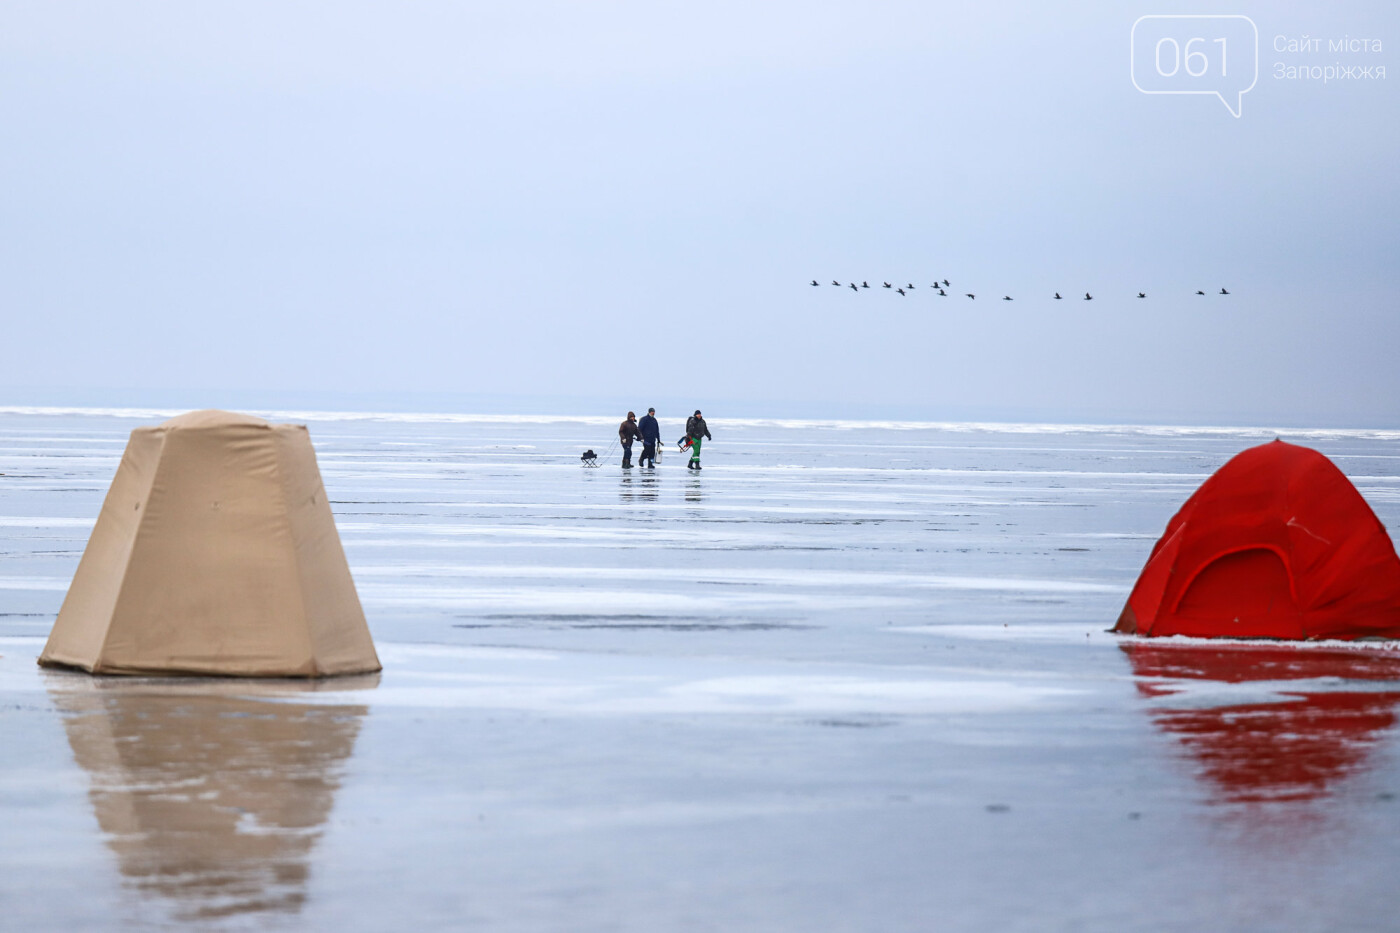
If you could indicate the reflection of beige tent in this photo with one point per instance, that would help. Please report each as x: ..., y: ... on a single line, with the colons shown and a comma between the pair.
x: 214, y: 801
x: 215, y: 553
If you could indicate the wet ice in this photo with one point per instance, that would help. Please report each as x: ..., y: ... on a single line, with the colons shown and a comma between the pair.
x: 851, y: 677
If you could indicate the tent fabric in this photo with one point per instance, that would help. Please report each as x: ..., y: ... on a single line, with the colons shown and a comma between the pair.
x: 215, y: 553
x: 1276, y: 544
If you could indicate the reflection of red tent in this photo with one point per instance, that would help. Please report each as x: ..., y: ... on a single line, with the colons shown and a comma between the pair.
x: 1276, y: 544
x: 1289, y: 750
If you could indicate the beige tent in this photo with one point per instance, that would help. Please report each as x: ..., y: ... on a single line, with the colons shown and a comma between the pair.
x: 215, y: 553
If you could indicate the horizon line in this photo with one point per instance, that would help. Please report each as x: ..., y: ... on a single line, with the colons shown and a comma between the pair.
x: 896, y: 424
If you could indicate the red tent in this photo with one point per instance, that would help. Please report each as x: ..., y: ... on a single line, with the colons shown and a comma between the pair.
x: 1276, y: 544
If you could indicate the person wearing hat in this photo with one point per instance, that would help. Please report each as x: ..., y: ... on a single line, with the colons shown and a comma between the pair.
x: 627, y: 433
x: 651, y: 434
x: 695, y: 429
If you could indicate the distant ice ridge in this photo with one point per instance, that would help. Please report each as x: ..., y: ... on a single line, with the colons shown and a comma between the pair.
x: 953, y: 427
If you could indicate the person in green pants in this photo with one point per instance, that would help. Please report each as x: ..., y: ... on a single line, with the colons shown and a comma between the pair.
x: 695, y: 429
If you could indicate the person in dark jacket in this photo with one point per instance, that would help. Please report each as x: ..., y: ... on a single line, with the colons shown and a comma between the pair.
x: 627, y: 433
x: 695, y: 429
x: 651, y: 434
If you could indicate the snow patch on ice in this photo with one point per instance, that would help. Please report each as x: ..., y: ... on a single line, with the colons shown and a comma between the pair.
x: 1210, y: 694
x: 1321, y: 644
x: 47, y: 584
x: 790, y: 694
x: 1048, y: 632
x: 796, y: 577
x: 17, y: 521
x: 396, y: 653
x: 428, y: 676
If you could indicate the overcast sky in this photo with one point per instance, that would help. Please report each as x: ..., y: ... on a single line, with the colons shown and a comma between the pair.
x: 577, y: 205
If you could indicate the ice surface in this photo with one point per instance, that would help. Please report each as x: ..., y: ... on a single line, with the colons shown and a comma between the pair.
x: 852, y: 676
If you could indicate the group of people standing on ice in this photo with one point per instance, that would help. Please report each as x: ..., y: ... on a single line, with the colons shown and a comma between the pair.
x: 648, y: 431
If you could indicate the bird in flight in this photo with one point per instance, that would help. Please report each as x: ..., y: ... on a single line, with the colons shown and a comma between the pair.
x: 1088, y: 297
x: 910, y: 285
x: 942, y: 293
x: 1142, y: 294
x: 836, y: 283
x: 900, y: 290
x: 854, y: 287
x: 814, y: 281
x: 888, y: 285
x: 946, y: 283
x: 1057, y: 296
x: 970, y: 295
x: 1007, y: 298
x: 1224, y: 292
x: 1199, y: 292
x: 864, y: 284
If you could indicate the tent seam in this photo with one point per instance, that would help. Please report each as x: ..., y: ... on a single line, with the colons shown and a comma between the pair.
x: 135, y: 537
x: 286, y: 519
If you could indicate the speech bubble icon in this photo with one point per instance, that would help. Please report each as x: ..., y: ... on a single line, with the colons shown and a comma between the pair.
x: 1208, y: 54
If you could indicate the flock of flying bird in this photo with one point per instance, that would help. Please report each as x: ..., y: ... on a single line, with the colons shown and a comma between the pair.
x: 945, y: 284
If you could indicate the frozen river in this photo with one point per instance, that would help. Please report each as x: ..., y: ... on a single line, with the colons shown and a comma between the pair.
x: 850, y: 677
